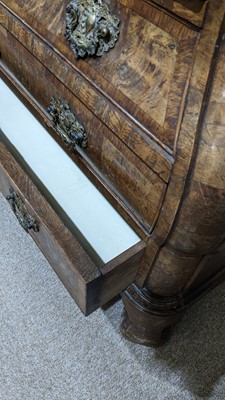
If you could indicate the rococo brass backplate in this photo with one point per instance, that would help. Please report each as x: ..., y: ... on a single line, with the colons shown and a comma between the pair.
x: 66, y: 125
x: 90, y: 28
x: 21, y: 212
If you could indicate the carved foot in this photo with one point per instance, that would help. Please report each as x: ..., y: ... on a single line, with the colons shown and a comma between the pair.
x: 147, y: 318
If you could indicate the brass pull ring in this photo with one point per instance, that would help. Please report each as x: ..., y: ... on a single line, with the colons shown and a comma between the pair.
x: 25, y: 219
x: 90, y: 28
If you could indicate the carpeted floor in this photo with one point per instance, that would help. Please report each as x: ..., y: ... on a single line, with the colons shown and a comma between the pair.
x: 49, y: 350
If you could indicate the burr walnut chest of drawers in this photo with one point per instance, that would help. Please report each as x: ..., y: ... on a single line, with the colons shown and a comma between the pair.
x: 129, y: 96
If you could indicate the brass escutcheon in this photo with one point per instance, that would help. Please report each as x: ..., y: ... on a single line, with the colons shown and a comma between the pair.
x: 25, y: 219
x: 90, y: 28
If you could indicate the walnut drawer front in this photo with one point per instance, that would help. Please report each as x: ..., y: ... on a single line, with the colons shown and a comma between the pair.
x: 94, y: 262
x: 145, y: 75
x: 139, y: 190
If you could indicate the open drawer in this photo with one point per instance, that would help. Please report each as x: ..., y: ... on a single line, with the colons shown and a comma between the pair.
x: 92, y: 249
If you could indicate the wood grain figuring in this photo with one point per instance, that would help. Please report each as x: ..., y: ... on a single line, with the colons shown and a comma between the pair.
x: 190, y: 10
x: 3, y: 32
x: 145, y: 67
x: 143, y: 195
x: 163, y: 48
x: 199, y: 230
x: 211, y: 265
x: 197, y: 98
x: 140, y: 143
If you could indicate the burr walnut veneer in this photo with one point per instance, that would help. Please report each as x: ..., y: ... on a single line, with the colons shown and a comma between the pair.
x: 133, y: 92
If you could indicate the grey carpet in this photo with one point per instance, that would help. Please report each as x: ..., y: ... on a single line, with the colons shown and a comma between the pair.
x: 49, y: 350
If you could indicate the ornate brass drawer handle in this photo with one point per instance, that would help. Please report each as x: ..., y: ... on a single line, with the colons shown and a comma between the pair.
x: 20, y: 211
x: 90, y: 28
x: 66, y: 125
